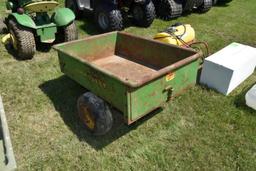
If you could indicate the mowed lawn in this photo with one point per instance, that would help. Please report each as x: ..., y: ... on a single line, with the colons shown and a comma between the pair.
x: 200, y: 130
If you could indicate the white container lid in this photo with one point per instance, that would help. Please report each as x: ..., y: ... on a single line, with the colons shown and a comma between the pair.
x: 230, y: 56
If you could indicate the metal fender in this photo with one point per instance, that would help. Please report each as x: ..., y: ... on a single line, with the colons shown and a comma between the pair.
x: 23, y: 19
x: 63, y: 16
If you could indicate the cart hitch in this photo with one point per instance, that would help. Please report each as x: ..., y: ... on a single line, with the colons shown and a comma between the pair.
x: 169, y: 89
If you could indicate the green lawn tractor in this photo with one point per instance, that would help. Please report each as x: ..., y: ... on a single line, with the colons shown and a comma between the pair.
x: 31, y: 22
x: 108, y: 14
x: 168, y: 9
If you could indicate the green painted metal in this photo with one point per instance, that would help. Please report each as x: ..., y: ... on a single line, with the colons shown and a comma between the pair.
x: 63, y: 17
x: 47, y: 34
x: 175, y: 69
x: 45, y: 24
x: 24, y: 20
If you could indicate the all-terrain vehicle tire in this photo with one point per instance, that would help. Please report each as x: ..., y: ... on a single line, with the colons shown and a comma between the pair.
x: 70, y: 32
x: 168, y: 9
x: 188, y: 5
x: 143, y: 14
x: 94, y: 113
x: 214, y: 2
x: 205, y: 6
x: 3, y: 28
x: 109, y: 19
x: 72, y: 4
x: 23, y: 40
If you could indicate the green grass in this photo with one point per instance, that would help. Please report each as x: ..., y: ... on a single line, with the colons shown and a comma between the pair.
x: 200, y: 130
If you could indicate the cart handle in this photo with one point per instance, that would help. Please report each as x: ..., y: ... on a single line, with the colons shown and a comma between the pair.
x: 169, y: 89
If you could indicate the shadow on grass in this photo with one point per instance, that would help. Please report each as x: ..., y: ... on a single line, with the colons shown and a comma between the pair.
x: 240, y: 102
x: 64, y: 93
x: 223, y: 3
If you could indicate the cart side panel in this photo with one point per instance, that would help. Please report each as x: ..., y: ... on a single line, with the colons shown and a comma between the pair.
x: 91, y: 48
x: 151, y: 96
x: 149, y: 52
x: 106, y: 87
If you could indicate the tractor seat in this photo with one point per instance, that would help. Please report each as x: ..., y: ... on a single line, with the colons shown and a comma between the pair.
x: 42, y: 6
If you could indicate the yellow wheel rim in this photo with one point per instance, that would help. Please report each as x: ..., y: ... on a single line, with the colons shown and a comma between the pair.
x: 87, y: 118
x: 14, y: 41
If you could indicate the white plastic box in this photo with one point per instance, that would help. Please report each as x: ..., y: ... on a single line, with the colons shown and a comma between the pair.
x: 250, y: 97
x: 226, y: 69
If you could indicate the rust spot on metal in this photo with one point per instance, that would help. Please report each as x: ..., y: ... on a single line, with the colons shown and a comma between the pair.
x: 153, y: 94
x: 94, y: 77
x: 182, y: 91
x: 125, y: 69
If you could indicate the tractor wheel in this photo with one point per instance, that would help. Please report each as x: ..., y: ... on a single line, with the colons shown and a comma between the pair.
x: 22, y: 40
x: 143, y: 14
x: 214, y: 2
x: 94, y: 113
x: 189, y: 5
x: 72, y: 4
x: 70, y: 32
x: 168, y: 9
x: 206, y: 6
x: 109, y: 19
x: 3, y: 28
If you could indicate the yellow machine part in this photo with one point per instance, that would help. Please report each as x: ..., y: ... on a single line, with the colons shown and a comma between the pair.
x: 43, y: 6
x: 10, y: 39
x: 6, y: 39
x: 185, y: 32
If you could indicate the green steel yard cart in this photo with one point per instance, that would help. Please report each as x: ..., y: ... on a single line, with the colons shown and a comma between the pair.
x: 133, y: 74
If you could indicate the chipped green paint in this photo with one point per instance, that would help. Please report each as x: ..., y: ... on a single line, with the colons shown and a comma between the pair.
x: 175, y: 69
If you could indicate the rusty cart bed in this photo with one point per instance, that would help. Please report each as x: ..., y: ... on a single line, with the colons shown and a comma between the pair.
x: 133, y: 74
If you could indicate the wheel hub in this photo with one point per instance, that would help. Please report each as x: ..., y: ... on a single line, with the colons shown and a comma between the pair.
x: 87, y: 118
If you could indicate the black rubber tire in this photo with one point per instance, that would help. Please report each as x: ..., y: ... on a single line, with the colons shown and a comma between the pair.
x: 99, y: 112
x: 113, y: 19
x: 3, y: 28
x: 26, y: 45
x: 168, y: 9
x: 72, y: 4
x: 188, y: 5
x: 70, y: 32
x: 205, y: 7
x: 147, y: 15
x: 214, y: 2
